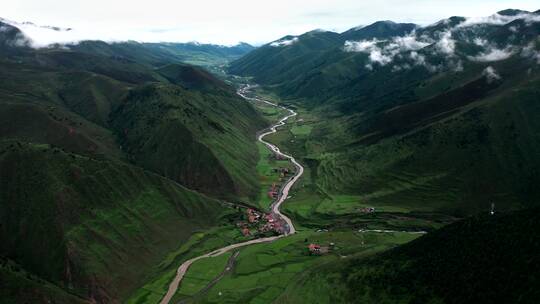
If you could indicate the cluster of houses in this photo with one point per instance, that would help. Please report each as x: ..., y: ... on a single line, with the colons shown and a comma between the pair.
x: 367, y: 210
x: 260, y: 223
x: 273, y: 192
x: 316, y: 249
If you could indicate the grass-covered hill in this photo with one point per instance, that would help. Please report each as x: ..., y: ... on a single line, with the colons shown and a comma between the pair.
x: 484, y: 259
x: 111, y: 158
x: 285, y: 58
x: 85, y: 101
x: 440, y: 119
x: 91, y: 227
x: 197, y: 140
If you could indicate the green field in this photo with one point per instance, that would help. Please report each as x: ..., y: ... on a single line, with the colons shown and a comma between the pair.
x: 317, y: 202
x: 460, y: 263
x: 264, y: 271
x: 302, y: 130
x: 202, y: 272
x: 200, y: 243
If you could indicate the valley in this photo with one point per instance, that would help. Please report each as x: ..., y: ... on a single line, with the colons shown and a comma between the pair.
x: 288, y: 227
x: 391, y: 162
x: 233, y: 285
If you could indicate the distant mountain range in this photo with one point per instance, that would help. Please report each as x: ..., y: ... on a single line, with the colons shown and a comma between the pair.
x: 155, y: 53
x: 442, y: 115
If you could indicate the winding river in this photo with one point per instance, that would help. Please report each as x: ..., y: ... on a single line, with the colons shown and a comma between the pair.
x: 274, y: 208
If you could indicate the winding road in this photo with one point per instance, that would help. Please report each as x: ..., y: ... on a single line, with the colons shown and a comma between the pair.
x: 283, y: 195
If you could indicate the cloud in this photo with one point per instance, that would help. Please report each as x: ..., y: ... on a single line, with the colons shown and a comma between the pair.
x: 384, y: 51
x: 497, y: 19
x: 369, y: 47
x: 530, y: 51
x: 493, y: 54
x: 364, y: 46
x: 376, y: 55
x: 446, y: 44
x: 491, y: 74
x: 407, y: 43
x: 284, y: 42
x: 418, y: 59
x: 480, y: 42
x: 37, y: 36
x: 19, y: 40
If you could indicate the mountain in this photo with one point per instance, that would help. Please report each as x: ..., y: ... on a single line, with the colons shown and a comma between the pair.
x: 512, y: 12
x: 290, y: 58
x: 486, y: 259
x: 437, y: 119
x: 152, y: 54
x: 90, y: 94
x: 379, y: 30
x: 286, y: 56
x: 112, y: 156
x: 200, y: 141
x: 207, y: 55
x: 10, y: 36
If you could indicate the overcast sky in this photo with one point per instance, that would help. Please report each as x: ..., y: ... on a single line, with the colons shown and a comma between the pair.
x: 228, y: 22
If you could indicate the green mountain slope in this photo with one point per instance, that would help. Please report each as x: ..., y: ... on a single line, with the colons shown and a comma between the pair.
x: 98, y: 147
x: 484, y: 259
x: 185, y: 135
x: 16, y: 283
x: 285, y: 57
x: 292, y: 59
x: 74, y: 94
x: 92, y: 227
x: 379, y: 30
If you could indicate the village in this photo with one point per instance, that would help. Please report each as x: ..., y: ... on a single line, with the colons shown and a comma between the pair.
x: 260, y: 224
x: 257, y: 223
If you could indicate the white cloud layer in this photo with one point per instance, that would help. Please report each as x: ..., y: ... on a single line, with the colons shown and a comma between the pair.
x: 284, y: 42
x: 531, y: 51
x: 446, y: 44
x: 497, y: 19
x: 384, y: 51
x: 414, y: 46
x: 493, y: 54
x: 228, y: 22
x: 491, y: 74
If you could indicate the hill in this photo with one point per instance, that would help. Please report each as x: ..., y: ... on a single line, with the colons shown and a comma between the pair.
x: 81, y: 100
x: 102, y: 147
x: 200, y: 141
x: 486, y: 258
x: 81, y: 224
